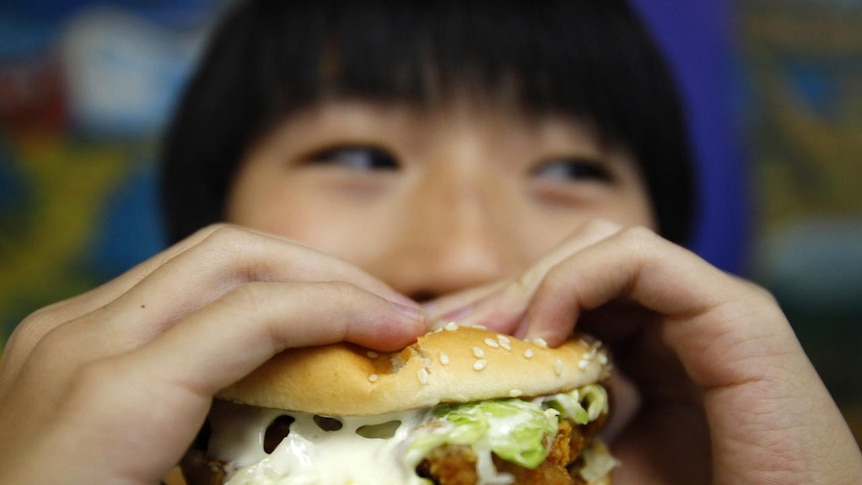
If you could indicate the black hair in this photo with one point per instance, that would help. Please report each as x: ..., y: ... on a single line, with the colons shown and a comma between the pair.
x: 589, y: 59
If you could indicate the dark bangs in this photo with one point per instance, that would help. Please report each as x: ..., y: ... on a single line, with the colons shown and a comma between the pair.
x: 589, y: 59
x: 583, y: 58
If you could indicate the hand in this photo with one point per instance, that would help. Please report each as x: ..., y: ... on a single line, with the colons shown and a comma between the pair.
x: 113, y: 385
x: 724, y: 392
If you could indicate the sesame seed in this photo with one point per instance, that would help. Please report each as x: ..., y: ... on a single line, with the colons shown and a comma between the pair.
x: 603, y: 358
x: 451, y: 326
x: 444, y: 358
x: 372, y: 354
x: 373, y: 378
x: 504, y: 342
x: 583, y: 364
x: 480, y: 364
x: 540, y: 342
x: 423, y: 376
x: 528, y: 353
x: 558, y: 367
x: 479, y: 353
x: 492, y: 343
x: 516, y: 393
x: 584, y: 342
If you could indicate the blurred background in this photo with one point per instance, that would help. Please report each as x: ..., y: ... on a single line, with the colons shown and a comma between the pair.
x: 773, y: 89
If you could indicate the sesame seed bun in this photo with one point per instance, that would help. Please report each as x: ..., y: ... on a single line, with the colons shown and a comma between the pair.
x: 454, y: 364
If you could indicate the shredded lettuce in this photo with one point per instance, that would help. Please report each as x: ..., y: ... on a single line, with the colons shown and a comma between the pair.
x: 580, y: 405
x: 516, y: 430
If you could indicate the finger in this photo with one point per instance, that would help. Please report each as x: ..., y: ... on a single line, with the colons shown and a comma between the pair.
x: 504, y: 309
x: 39, y: 324
x: 210, y: 265
x: 223, y: 261
x: 459, y: 305
x: 222, y: 342
x: 637, y: 266
x: 90, y: 300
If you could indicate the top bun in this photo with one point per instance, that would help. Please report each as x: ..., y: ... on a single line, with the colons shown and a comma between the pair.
x: 454, y: 364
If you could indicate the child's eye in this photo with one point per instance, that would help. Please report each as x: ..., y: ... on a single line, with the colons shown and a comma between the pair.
x: 573, y: 170
x: 356, y: 157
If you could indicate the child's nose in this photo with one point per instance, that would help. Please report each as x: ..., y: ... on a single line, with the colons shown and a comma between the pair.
x: 454, y: 235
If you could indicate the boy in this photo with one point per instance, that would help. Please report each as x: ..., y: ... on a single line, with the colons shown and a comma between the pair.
x: 385, y: 169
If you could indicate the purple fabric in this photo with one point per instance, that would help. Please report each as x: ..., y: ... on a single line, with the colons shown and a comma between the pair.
x: 696, y: 37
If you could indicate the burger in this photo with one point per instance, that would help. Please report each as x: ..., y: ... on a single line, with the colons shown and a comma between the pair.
x: 461, y: 406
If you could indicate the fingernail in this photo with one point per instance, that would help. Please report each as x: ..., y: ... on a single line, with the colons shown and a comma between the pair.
x: 526, y: 332
x: 413, y: 312
x: 430, y: 309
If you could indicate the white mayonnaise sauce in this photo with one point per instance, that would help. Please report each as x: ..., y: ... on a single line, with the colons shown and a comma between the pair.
x: 310, y: 455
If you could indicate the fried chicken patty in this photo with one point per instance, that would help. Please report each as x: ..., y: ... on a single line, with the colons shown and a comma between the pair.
x: 456, y: 464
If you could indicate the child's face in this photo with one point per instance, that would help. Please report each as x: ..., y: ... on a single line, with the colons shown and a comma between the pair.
x: 433, y: 203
